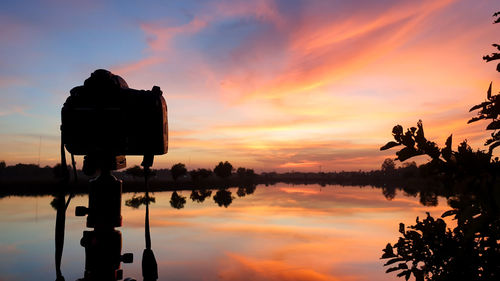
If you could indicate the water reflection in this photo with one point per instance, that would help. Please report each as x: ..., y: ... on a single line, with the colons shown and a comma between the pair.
x: 200, y: 195
x: 290, y: 232
x: 177, y: 201
x: 136, y: 201
x: 223, y: 197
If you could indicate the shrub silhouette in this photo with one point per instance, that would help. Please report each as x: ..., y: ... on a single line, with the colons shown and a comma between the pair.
x: 471, y: 251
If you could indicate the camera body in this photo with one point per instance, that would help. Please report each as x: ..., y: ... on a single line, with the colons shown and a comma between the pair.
x: 106, y: 117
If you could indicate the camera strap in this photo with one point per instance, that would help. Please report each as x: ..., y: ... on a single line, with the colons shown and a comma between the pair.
x: 149, y: 265
x: 62, y: 206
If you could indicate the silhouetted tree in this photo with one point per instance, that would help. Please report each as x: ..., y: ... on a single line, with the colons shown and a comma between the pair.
x: 245, y: 173
x: 223, y: 170
x: 2, y: 167
x: 178, y: 170
x: 388, y: 165
x: 59, y: 172
x: 241, y: 172
x: 200, y: 174
x: 409, y: 169
x: 177, y: 201
x: 135, y: 171
x: 223, y: 197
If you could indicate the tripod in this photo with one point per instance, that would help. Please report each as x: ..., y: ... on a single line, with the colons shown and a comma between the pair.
x: 103, y: 244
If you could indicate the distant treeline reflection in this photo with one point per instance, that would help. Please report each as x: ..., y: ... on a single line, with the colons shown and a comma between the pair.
x: 223, y: 197
x: 28, y: 179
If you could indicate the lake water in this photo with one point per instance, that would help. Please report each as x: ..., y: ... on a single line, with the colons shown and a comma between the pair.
x: 280, y: 232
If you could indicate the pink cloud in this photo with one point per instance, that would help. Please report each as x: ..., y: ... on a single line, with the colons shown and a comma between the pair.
x: 160, y: 37
x: 137, y: 65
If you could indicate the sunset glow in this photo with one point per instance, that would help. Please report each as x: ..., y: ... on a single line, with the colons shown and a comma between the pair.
x: 269, y: 85
x: 277, y: 233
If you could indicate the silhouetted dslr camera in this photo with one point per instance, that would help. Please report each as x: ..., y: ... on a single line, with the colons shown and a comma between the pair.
x: 105, y: 116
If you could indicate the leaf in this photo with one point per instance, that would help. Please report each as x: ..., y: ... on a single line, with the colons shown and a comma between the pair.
x: 402, y: 228
x: 489, y: 91
x: 474, y: 119
x: 392, y: 269
x: 483, y: 104
x: 408, y: 274
x: 388, y: 252
x: 390, y: 144
x: 420, y: 127
x: 494, y: 125
x: 406, y: 153
x: 489, y: 141
x: 446, y: 152
x: 448, y: 213
x: 398, y: 129
x: 491, y: 57
x: 391, y: 261
x: 493, y: 146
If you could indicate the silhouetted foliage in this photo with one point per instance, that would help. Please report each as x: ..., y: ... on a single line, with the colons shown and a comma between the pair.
x: 250, y: 189
x: 243, y: 172
x: 389, y: 192
x: 177, y: 201
x: 200, y: 195
x: 59, y: 172
x: 2, y: 167
x: 388, y: 165
x: 223, y: 197
x: 200, y: 174
x: 241, y: 192
x: 223, y: 170
x: 178, y: 170
x: 135, y: 171
x: 138, y: 172
x: 471, y: 251
x: 57, y: 202
x: 136, y: 201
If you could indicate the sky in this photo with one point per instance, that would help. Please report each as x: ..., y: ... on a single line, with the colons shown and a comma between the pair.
x: 269, y: 85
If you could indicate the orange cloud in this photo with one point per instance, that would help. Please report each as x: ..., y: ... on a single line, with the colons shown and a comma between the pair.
x: 244, y: 268
x: 299, y: 164
x: 321, y: 56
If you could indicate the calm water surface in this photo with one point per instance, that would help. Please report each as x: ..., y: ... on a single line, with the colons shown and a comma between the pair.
x: 279, y: 232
